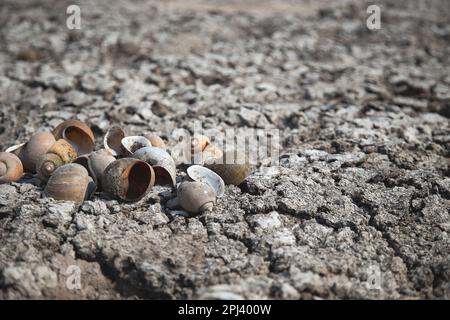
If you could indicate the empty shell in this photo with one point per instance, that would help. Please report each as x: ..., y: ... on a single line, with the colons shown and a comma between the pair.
x: 30, y: 152
x: 60, y: 153
x: 96, y: 163
x: 196, y: 197
x: 199, y: 143
x: 162, y: 163
x: 113, y: 141
x: 134, y: 143
x: 78, y: 134
x: 128, y: 179
x: 70, y: 182
x: 234, y: 167
x: 11, y: 168
x: 211, y: 153
x: 202, y: 174
x: 155, y: 140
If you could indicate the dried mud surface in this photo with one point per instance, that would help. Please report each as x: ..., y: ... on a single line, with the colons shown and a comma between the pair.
x: 362, y: 187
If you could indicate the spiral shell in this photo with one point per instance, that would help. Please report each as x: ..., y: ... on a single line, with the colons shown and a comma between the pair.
x: 60, y: 153
x: 202, y: 174
x: 11, y: 168
x: 78, y: 134
x: 162, y: 163
x: 30, y: 152
x: 70, y: 182
x: 128, y: 179
x: 96, y: 163
x: 234, y: 167
x: 196, y: 197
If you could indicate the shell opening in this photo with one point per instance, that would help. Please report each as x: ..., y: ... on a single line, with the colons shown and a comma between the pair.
x: 163, y: 176
x: 136, y: 146
x: 139, y: 178
x: 79, y: 140
x: 113, y: 140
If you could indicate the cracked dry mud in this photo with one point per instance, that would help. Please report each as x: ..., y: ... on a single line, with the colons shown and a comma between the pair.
x: 358, y: 206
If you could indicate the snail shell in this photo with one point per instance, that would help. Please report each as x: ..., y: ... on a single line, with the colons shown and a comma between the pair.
x: 60, y: 153
x: 78, y: 134
x: 234, y: 167
x: 11, y: 168
x: 202, y: 174
x: 155, y: 140
x: 96, y: 163
x: 211, y: 153
x: 199, y: 143
x: 70, y: 182
x: 196, y: 197
x: 134, y: 143
x: 30, y: 152
x: 128, y: 179
x: 113, y: 141
x: 162, y: 163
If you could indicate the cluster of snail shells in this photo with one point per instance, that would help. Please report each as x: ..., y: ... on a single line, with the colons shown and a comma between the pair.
x: 207, y: 183
x: 142, y: 163
x: 127, y: 167
x: 50, y: 156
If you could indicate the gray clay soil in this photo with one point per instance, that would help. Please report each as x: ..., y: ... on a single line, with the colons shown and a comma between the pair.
x: 358, y: 206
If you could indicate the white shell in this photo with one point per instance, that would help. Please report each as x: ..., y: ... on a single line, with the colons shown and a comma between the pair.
x: 134, y: 143
x: 14, y: 149
x: 202, y: 174
x: 196, y: 197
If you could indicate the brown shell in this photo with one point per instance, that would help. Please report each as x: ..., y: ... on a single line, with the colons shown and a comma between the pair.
x: 233, y: 167
x: 60, y: 153
x: 78, y: 134
x: 30, y: 152
x: 113, y: 141
x: 11, y: 168
x: 161, y: 162
x: 199, y: 143
x: 70, y: 182
x: 155, y: 140
x: 96, y: 163
x: 211, y: 153
x: 128, y: 179
x: 196, y: 197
